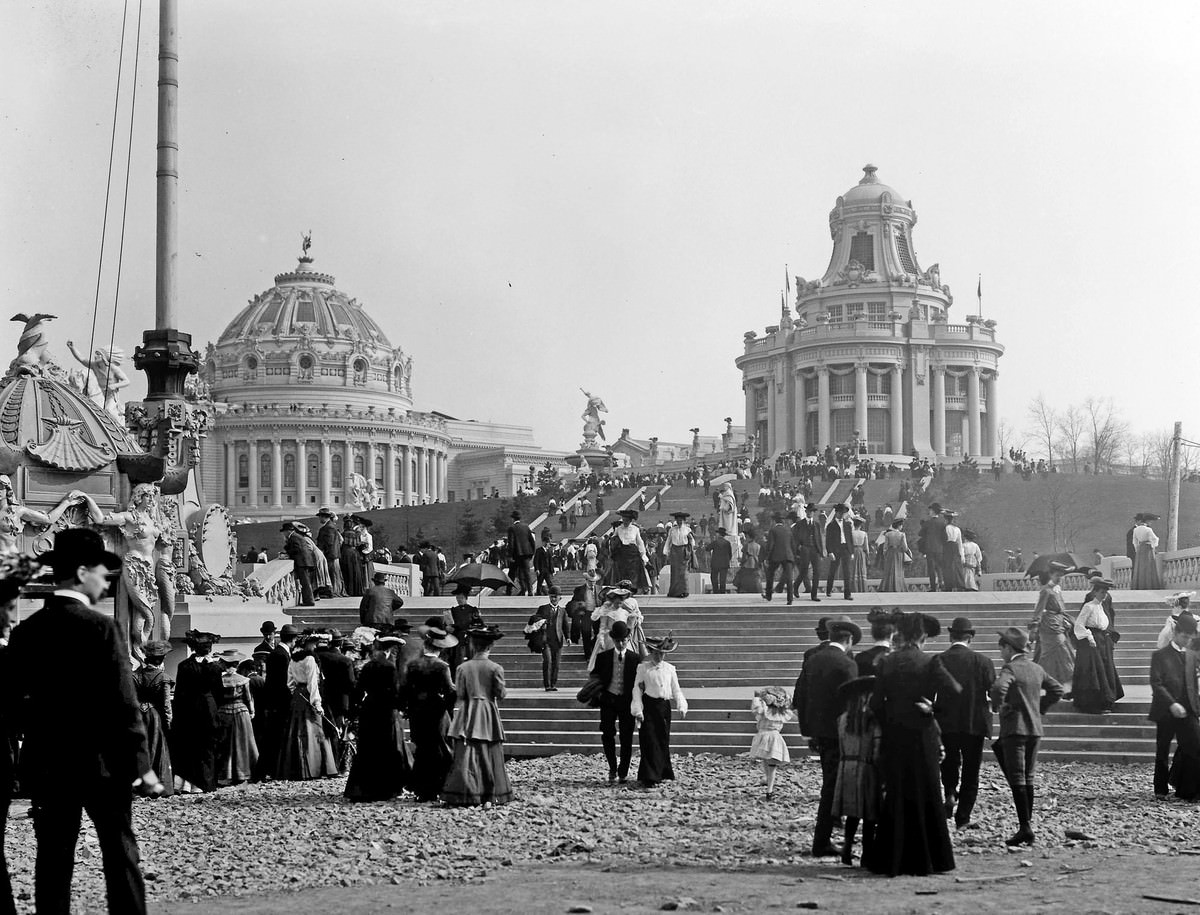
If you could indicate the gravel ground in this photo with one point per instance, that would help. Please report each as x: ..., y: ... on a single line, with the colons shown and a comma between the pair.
x: 262, y: 839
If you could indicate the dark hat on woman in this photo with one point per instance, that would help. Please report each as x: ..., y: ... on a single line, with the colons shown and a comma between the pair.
x: 961, y: 626
x: 666, y: 644
x: 326, y: 513
x: 836, y: 624
x: 486, y: 634
x: 856, y: 687
x: 898, y: 523
x: 194, y: 637
x: 619, y: 630
x: 462, y: 588
x: 629, y: 514
x: 681, y: 515
x: 1014, y: 638
x: 1099, y: 581
x: 157, y: 649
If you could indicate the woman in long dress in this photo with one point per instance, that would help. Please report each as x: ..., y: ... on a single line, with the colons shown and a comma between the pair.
x: 952, y: 555
x: 911, y: 836
x: 895, y: 555
x: 1097, y: 685
x: 353, y: 567
x: 237, y: 750
x: 1051, y: 628
x: 618, y: 605
x: 477, y: 773
x: 306, y: 752
x: 972, y: 561
x: 381, y: 766
x: 1145, y: 571
x: 858, y: 791
x: 858, y: 560
x: 428, y: 698
x: 655, y: 688
x: 153, y: 689
x: 749, y: 574
x: 1178, y: 603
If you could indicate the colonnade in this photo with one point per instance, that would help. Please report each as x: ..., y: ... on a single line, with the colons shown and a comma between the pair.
x: 413, y: 474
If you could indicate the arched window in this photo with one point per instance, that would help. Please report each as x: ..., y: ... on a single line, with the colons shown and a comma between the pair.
x: 264, y: 470
x: 289, y: 470
x: 313, y: 471
x: 336, y: 471
x: 378, y: 471
x: 399, y: 472
x: 243, y: 466
x: 360, y: 464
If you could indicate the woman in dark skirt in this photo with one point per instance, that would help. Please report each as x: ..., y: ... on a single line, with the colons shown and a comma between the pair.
x: 237, y: 750
x: 1096, y: 686
x: 381, y: 766
x: 306, y: 752
x: 911, y: 836
x: 354, y: 570
x: 477, y: 774
x: 655, y: 686
x: 194, y: 725
x: 153, y: 690
x: 428, y: 698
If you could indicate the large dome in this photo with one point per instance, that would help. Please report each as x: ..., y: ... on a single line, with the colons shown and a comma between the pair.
x: 304, y: 302
x: 870, y: 190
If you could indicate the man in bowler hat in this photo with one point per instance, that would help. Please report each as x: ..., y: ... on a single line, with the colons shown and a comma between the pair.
x: 520, y: 554
x: 303, y: 554
x: 965, y: 719
x: 616, y: 669
x: 85, y: 745
x: 720, y: 558
x: 839, y: 545
x: 1174, y: 703
x: 808, y: 545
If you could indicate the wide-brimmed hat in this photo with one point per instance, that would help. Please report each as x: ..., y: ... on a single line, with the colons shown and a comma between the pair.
x: 79, y: 546
x: 721, y: 531
x: 629, y: 514
x: 681, y: 514
x: 666, y: 644
x: 1013, y: 637
x: 390, y: 640
x: 230, y: 655
x: 326, y: 513
x: 843, y: 623
x: 1186, y: 623
x: 810, y: 507
x: 949, y: 513
x: 1180, y: 597
x: 961, y: 626
x: 365, y: 522
x: 157, y: 649
x: 856, y: 687
x: 1103, y: 582
x: 288, y: 526
x: 487, y: 634
x: 618, y: 593
x: 194, y: 637
x: 619, y: 631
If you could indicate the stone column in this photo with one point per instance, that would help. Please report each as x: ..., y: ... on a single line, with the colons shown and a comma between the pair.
x: 801, y: 414
x: 422, y: 471
x: 440, y: 491
x: 770, y: 445
x: 370, y: 474
x: 406, y: 473
x: 973, y: 412
x: 824, y: 422
x: 896, y: 413
x: 751, y: 409
x: 252, y: 494
x: 860, y: 399
x: 389, y: 476
x: 991, y: 441
x: 326, y: 474
x: 276, y: 474
x: 937, y: 377
x: 302, y: 474
x: 230, y: 474
x: 427, y: 495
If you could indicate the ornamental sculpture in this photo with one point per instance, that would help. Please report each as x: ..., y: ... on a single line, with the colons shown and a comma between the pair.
x: 593, y: 425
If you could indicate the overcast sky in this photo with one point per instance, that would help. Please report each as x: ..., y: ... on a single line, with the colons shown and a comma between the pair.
x: 530, y: 197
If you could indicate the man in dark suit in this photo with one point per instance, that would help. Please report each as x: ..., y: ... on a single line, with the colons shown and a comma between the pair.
x: 278, y: 699
x: 555, y: 633
x: 337, y: 688
x: 778, y: 552
x: 427, y: 560
x: 379, y: 604
x: 543, y: 563
x: 839, y: 545
x: 965, y: 719
x: 818, y: 706
x: 1022, y: 694
x: 329, y: 542
x: 720, y: 558
x: 932, y: 542
x: 808, y: 545
x: 1174, y: 704
x: 302, y: 552
x: 85, y: 746
x: 616, y: 669
x: 520, y: 554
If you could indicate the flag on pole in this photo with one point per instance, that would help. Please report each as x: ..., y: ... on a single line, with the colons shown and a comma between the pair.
x: 787, y: 281
x: 979, y: 293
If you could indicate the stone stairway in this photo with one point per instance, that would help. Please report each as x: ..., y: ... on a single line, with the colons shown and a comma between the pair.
x: 732, y: 644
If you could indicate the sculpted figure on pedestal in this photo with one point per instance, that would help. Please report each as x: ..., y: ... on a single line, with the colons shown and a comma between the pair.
x: 109, y: 378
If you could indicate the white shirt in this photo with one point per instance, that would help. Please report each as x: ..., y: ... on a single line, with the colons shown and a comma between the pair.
x: 1092, y: 616
x: 72, y: 594
x: 305, y: 672
x: 1143, y: 533
x: 658, y: 681
x: 679, y: 535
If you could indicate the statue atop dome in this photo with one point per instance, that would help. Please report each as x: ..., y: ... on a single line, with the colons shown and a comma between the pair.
x: 305, y: 244
x: 32, y: 349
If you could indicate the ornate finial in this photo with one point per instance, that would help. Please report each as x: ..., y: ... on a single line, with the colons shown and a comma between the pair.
x: 869, y: 174
x: 305, y: 244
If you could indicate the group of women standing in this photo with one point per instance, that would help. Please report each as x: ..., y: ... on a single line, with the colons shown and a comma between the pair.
x: 1078, y: 653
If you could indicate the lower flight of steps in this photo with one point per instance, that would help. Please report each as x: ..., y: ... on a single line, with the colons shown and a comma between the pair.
x: 731, y: 645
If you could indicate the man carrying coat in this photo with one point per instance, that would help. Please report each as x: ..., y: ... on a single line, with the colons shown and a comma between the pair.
x: 1174, y: 704
x: 550, y: 627
x: 965, y: 719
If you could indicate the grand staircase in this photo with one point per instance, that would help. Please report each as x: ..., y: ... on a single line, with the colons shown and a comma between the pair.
x: 732, y: 644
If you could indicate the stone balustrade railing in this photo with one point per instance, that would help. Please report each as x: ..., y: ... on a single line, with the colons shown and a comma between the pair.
x: 403, y: 578
x: 277, y: 582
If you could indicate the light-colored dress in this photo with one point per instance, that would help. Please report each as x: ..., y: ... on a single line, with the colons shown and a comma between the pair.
x: 895, y: 554
x: 608, y: 613
x: 858, y: 561
x: 768, y: 744
x: 1051, y: 625
x: 972, y: 564
x: 1145, y: 575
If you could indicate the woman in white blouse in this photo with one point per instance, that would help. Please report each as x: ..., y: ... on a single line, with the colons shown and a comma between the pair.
x: 619, y: 604
x: 1145, y: 572
x: 306, y: 752
x: 972, y: 561
x: 1096, y: 686
x: 655, y: 687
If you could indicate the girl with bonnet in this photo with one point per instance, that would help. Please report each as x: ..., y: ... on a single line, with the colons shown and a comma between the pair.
x: 772, y: 708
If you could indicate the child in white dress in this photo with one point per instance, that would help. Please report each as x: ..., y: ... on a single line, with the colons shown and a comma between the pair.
x: 771, y: 706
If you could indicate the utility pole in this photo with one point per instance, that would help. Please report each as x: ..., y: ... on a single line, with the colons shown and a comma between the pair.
x: 1173, y: 481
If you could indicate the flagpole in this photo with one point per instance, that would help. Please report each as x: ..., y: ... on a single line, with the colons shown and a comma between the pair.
x: 979, y: 293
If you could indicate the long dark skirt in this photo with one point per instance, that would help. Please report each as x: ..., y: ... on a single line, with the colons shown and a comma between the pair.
x: 1097, y: 685
x: 679, y: 583
x: 381, y: 766
x: 627, y: 562
x: 305, y: 751
x: 654, y: 742
x: 156, y: 746
x: 354, y: 572
x: 892, y: 578
x: 432, y: 755
x: 748, y: 581
x: 237, y: 750
x: 477, y: 774
x: 1145, y: 572
x: 911, y: 836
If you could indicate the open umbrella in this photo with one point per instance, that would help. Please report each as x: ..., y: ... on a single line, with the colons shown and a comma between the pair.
x: 479, y: 575
x: 1042, y: 564
x: 723, y: 479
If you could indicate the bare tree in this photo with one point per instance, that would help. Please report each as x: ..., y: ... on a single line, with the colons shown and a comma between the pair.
x: 1066, y: 511
x: 1010, y: 437
x: 1043, y: 422
x: 1106, y: 431
x: 1071, y: 427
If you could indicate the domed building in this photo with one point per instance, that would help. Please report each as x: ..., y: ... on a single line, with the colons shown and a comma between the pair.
x: 871, y: 354
x: 308, y: 391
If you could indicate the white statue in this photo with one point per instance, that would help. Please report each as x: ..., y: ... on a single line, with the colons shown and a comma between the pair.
x: 32, y: 352
x: 363, y: 493
x: 109, y: 378
x: 727, y: 517
x: 14, y: 517
x: 592, y: 423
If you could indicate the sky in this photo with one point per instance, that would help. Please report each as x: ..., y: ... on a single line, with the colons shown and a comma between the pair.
x: 533, y: 197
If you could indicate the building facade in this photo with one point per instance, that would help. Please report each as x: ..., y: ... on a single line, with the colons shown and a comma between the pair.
x: 311, y: 400
x: 871, y: 353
